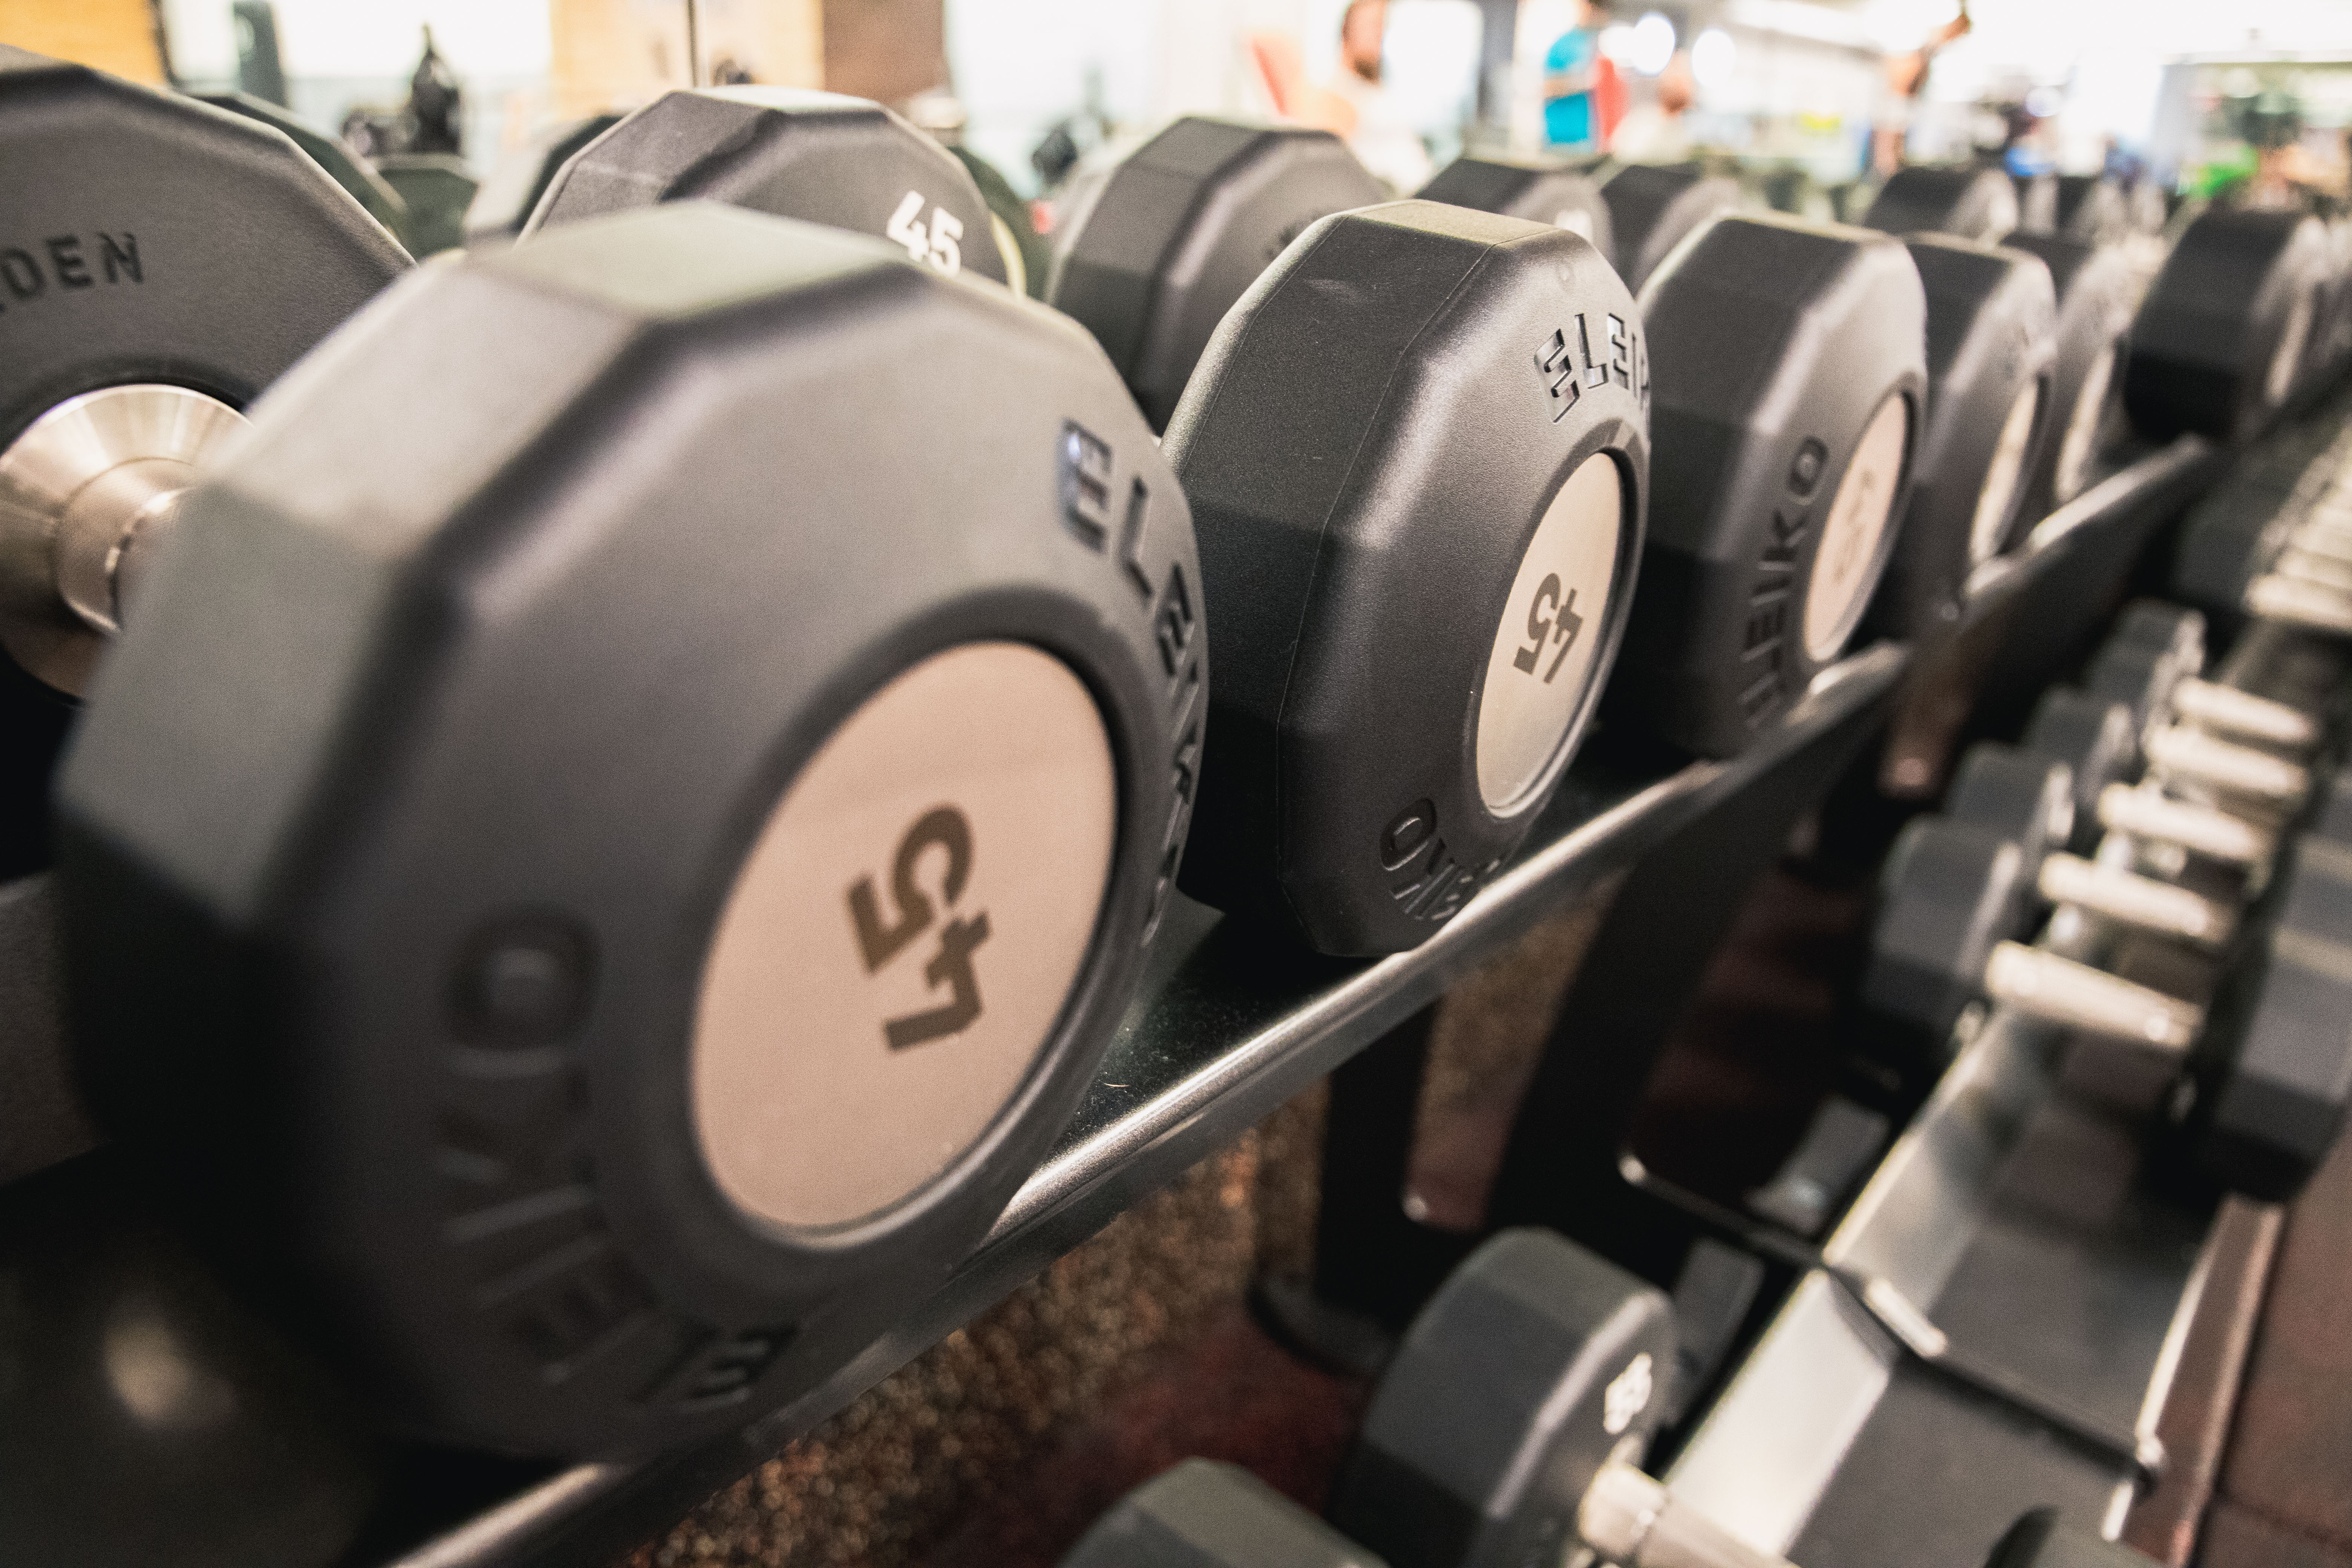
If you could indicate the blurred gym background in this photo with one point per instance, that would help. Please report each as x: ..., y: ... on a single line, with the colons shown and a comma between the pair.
x: 2250, y: 99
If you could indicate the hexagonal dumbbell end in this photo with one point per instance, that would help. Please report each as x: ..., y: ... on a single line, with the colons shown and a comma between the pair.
x: 2094, y: 736
x: 2275, y: 1070
x: 2027, y: 797
x: 1534, y: 1368
x: 1206, y: 1514
x: 1950, y: 891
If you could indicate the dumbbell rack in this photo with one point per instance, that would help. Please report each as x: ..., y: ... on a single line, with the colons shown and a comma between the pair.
x: 1222, y: 1032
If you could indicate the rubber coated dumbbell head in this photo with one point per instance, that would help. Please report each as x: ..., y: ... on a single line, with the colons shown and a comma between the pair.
x: 2098, y: 289
x: 1540, y: 192
x: 1205, y: 1514
x: 331, y: 153
x: 1991, y: 346
x: 711, y: 807
x: 2090, y: 209
x: 1534, y: 1365
x: 1182, y: 225
x: 1411, y: 629
x: 435, y: 189
x: 521, y: 178
x: 2273, y: 1064
x: 2096, y: 739
x: 1654, y: 207
x: 2220, y: 338
x: 819, y: 156
x: 1789, y: 374
x: 1964, y: 203
x: 175, y: 259
x: 2154, y: 649
x: 2024, y: 796
x: 1950, y: 891
x: 2037, y: 202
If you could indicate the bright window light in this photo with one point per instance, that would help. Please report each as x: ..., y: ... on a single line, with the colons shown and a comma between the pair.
x: 1713, y: 55
x: 1654, y: 44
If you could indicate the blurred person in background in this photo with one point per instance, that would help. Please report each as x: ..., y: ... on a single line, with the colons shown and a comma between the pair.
x: 1656, y: 132
x: 1358, y: 106
x: 1904, y: 83
x: 1578, y: 82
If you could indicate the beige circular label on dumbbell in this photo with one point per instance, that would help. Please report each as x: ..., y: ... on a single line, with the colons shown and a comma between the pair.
x: 1543, y: 654
x: 902, y: 936
x: 1839, y: 588
x: 2083, y: 425
x: 1999, y: 491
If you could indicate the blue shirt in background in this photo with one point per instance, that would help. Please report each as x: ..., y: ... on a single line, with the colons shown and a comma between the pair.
x: 1569, y: 119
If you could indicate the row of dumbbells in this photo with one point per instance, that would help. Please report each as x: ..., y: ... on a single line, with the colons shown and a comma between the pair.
x: 2148, y: 805
x: 632, y: 788
x: 1508, y: 1429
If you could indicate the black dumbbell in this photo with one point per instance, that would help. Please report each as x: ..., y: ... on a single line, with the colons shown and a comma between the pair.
x: 1992, y: 343
x: 518, y: 180
x: 1653, y: 207
x: 1966, y: 202
x: 816, y: 156
x: 1789, y: 384
x: 2219, y: 343
x: 367, y: 187
x: 1417, y: 457
x: 1508, y: 1430
x: 172, y: 260
x: 1179, y: 230
x: 435, y: 189
x: 2098, y: 287
x: 2088, y: 209
x: 1540, y: 192
x: 606, y: 883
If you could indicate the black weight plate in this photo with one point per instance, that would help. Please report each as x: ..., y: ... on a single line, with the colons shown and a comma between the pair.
x: 1182, y: 226
x: 1654, y: 207
x: 1789, y: 367
x: 1417, y: 459
x: 1965, y: 203
x: 437, y: 188
x: 151, y: 237
x: 1990, y: 347
x: 1205, y: 1514
x: 2098, y: 289
x: 818, y: 156
x: 512, y: 192
x: 715, y: 795
x: 2219, y: 340
x: 1540, y: 192
x: 1533, y: 1366
x: 342, y: 165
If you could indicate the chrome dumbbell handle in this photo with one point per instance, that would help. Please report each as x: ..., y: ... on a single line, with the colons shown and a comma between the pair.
x: 2229, y: 711
x: 2125, y: 898
x: 1634, y: 1523
x: 2299, y: 603
x: 2143, y: 812
x: 2057, y: 990
x: 2197, y: 758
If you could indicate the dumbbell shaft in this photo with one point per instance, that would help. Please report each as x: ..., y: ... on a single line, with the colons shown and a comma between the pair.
x: 2197, y: 758
x: 2299, y: 603
x: 2127, y: 898
x: 2144, y: 814
x: 2061, y: 990
x: 2236, y: 712
x: 1633, y: 1521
